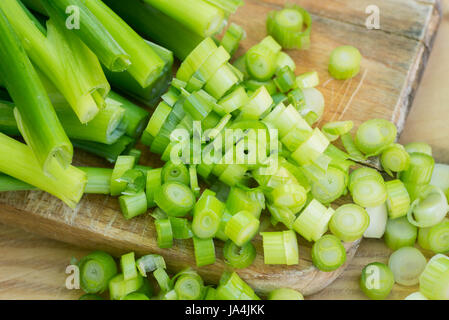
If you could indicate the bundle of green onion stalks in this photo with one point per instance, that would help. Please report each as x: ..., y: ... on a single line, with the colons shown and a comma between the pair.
x: 238, y: 139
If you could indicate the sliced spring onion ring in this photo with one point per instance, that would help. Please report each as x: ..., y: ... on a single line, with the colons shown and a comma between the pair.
x: 349, y: 222
x: 398, y: 199
x: 400, y: 233
x: 407, y: 264
x: 368, y: 191
x: 344, y: 62
x: 420, y: 169
x: 434, y: 281
x: 331, y: 187
x: 204, y: 251
x: 96, y: 269
x: 374, y: 135
x: 378, y: 217
x: 328, y: 253
x: 239, y: 257
x: 313, y: 222
x: 242, y: 227
x: 429, y: 209
x: 419, y: 147
x: 395, y: 158
x: 175, y: 198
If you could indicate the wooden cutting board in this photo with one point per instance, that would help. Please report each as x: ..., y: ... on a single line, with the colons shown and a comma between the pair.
x: 394, y: 59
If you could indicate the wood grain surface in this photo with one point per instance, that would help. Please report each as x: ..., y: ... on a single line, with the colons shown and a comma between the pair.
x: 394, y: 58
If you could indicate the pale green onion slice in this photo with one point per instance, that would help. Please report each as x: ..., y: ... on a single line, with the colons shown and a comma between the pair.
x: 284, y: 60
x: 175, y: 198
x: 331, y: 187
x: 395, y: 158
x: 242, y: 227
x: 257, y: 104
x: 232, y: 38
x: 239, y: 257
x: 204, y: 251
x: 429, y: 209
x: 407, y: 264
x: 128, y: 265
x: 307, y: 80
x: 434, y: 281
x: 369, y: 192
x: 289, y: 195
x: 261, y: 59
x: 376, y: 281
x: 120, y: 288
x: 313, y: 222
x: 345, y: 62
x: 416, y: 296
x: 232, y: 287
x: 418, y: 147
x: 435, y: 238
x: 328, y: 253
x: 313, y: 108
x: 285, y: 294
x: 337, y: 128
x: 440, y: 177
x: 362, y: 173
x: 150, y: 263
x: 123, y: 164
x: 378, y: 217
x: 349, y: 222
x: 398, y: 199
x: 374, y: 135
x: 400, y: 233
x: 195, y: 59
x: 280, y: 247
x: 420, y: 169
x: 207, y: 214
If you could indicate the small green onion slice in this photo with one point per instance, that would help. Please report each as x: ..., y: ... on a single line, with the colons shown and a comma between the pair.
x: 135, y: 182
x: 204, y: 251
x: 175, y: 172
x: 207, y: 214
x: 133, y: 205
x: 232, y: 287
x: 376, y: 281
x: 175, y: 198
x: 284, y: 60
x: 96, y: 269
x: 435, y: 238
x: 313, y: 221
x: 440, y: 177
x: 395, y: 159
x: 407, y: 264
x: 420, y: 169
x: 239, y: 257
x: 189, y: 287
x: 335, y: 129
x: 162, y: 279
x: 418, y: 147
x: 285, y: 294
x: 378, y: 217
x: 434, y: 280
x: 135, y: 296
x: 149, y: 263
x: 349, y: 222
x: 280, y: 247
x: 164, y: 233
x: 313, y: 107
x: 285, y: 79
x: 120, y: 288
x: 123, y: 164
x: 261, y: 59
x: 345, y: 62
x: 374, y: 135
x: 181, y: 228
x: 368, y: 191
x: 128, y: 265
x: 398, y: 199
x: 308, y: 80
x: 242, y: 227
x: 328, y: 253
x: 331, y: 187
x: 400, y: 233
x: 416, y: 296
x: 429, y: 209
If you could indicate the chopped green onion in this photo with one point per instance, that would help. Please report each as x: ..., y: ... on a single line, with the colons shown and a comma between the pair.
x: 96, y: 269
x: 307, y: 80
x: 429, y: 209
x: 257, y: 104
x: 313, y: 108
x: 150, y: 263
x: 395, y: 158
x: 207, y: 214
x: 252, y: 201
x: 123, y: 164
x: 285, y: 79
x: 398, y: 199
x: 193, y: 177
x: 175, y: 198
x: 189, y: 287
x: 109, y: 152
x: 239, y: 257
x: 331, y: 187
x: 232, y: 38
x: 280, y: 247
x: 311, y: 149
x: 400, y: 233
x: 252, y: 85
x: 416, y: 296
x: 376, y: 281
x: 407, y: 264
x: 133, y: 205
x: 162, y: 279
x: 328, y: 253
x: 234, y: 100
x: 137, y: 154
x: 338, y: 128
x: 362, y: 173
x: 120, y: 288
x: 285, y: 294
x: 164, y: 233
x: 204, y: 251
x: 434, y: 280
x: 284, y: 60
x: 154, y: 182
x: 440, y: 177
x: 181, y: 228
x: 374, y: 135
x: 378, y: 217
x: 290, y: 26
x: 67, y: 184
x: 368, y: 191
x: 351, y: 148
x: 128, y: 265
x: 349, y: 222
x: 241, y: 227
x: 313, y: 222
x: 135, y: 182
x: 261, y: 59
x: 210, y: 293
x: 420, y: 169
x: 435, y: 238
x: 195, y: 59
x: 418, y: 147
x: 232, y: 287
x: 8, y: 183
x: 344, y: 62
x: 221, y: 229
x: 156, y: 122
x: 172, y: 172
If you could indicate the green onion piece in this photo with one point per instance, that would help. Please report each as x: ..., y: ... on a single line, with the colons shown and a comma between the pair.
x: 313, y: 222
x: 378, y: 217
x: 135, y: 181
x: 232, y: 38
x: 331, y: 187
x: 154, y: 182
x: 261, y: 59
x: 437, y: 237
x: 313, y: 109
x: 307, y: 80
x: 172, y: 172
x: 90, y: 296
x: 109, y: 152
x: 285, y: 294
x: 395, y: 158
x: 96, y: 269
x: 374, y: 135
x: 133, y: 205
x: 234, y: 100
x: 8, y: 183
x: 239, y: 257
x: 400, y: 233
x: 290, y: 26
x: 296, y: 98
x: 232, y: 287
x: 150, y: 263
x: 335, y: 129
x: 222, y: 81
x: 221, y: 229
x: 311, y: 149
x: 242, y: 227
x: 204, y: 251
x: 195, y: 59
x: 128, y: 265
x: 175, y: 198
x: 120, y: 288
x: 156, y: 122
x: 398, y: 199
x: 284, y: 60
x: 189, y: 287
x: 434, y: 280
x: 344, y: 62
x: 280, y: 247
x: 368, y: 191
x: 429, y: 209
x: 376, y: 281
x: 135, y: 296
x: 285, y: 79
x: 349, y: 222
x: 199, y: 16
x: 198, y: 106
x: 440, y: 177
x: 328, y: 253
x: 181, y: 228
x: 67, y: 184
x: 123, y: 164
x: 257, y: 104
x: 288, y: 195
x: 418, y: 147
x: 137, y: 154
x: 362, y: 173
x: 416, y: 296
x: 252, y: 85
x: 207, y: 214
x: 252, y: 201
x: 164, y: 233
x: 162, y: 279
x: 407, y: 264
x: 35, y: 116
x: 211, y: 294
x: 284, y: 215
x: 351, y: 148
x: 163, y: 138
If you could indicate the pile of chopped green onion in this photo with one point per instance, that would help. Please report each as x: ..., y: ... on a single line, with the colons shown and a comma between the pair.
x: 58, y: 96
